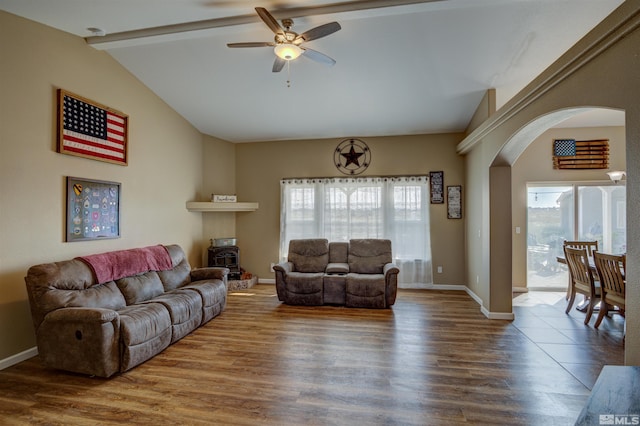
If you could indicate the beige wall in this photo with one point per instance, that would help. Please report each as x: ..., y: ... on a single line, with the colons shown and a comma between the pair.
x: 485, y: 109
x: 165, y: 163
x: 535, y: 165
x: 218, y: 166
x: 260, y: 166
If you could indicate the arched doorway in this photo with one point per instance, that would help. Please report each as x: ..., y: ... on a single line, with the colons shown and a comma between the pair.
x: 533, y: 146
x: 507, y: 172
x: 601, y: 70
x: 550, y: 204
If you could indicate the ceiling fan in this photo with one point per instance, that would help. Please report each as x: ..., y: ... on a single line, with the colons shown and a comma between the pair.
x: 287, y: 44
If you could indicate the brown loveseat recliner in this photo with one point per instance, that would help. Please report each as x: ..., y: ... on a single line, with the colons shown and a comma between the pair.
x: 359, y: 273
x: 101, y: 326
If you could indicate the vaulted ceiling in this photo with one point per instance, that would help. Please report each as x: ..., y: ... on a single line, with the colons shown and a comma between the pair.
x: 402, y: 67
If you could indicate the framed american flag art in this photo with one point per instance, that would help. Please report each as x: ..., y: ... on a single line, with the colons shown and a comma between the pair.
x: 91, y: 130
x: 573, y: 154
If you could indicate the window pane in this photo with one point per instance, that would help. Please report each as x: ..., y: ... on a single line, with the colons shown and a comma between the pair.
x: 590, y: 210
x: 300, y: 212
x: 602, y: 217
x: 366, y: 214
x: 407, y: 202
x: 549, y: 223
x: 302, y: 205
x: 336, y: 223
x: 409, y: 222
x: 353, y: 211
x: 619, y: 220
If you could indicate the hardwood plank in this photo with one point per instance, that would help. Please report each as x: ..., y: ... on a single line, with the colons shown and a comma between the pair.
x: 431, y: 359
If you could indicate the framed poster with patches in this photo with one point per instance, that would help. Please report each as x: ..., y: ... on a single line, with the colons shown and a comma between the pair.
x: 91, y: 130
x: 93, y: 209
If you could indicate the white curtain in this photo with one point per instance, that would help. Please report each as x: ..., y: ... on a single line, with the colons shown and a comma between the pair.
x: 338, y: 209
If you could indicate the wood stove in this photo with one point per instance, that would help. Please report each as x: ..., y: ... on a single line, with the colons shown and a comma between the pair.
x: 227, y: 257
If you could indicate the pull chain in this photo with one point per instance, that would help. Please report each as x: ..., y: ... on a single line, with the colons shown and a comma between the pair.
x: 288, y: 74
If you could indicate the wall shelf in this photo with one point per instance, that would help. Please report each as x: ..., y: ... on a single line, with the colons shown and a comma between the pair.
x: 203, y: 206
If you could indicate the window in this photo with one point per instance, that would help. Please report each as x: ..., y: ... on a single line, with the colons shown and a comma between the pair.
x: 571, y: 212
x: 602, y: 217
x: 339, y: 209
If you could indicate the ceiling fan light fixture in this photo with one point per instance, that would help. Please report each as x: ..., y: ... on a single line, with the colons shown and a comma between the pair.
x: 288, y: 51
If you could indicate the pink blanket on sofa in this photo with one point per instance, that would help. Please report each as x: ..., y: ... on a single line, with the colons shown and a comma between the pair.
x: 124, y: 263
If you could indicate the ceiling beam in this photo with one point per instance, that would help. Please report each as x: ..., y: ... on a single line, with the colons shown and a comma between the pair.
x: 296, y: 12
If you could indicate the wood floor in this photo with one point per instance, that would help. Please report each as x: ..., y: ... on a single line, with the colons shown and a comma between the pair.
x: 433, y: 359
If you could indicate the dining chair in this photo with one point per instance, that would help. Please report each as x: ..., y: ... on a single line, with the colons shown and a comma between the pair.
x: 581, y: 279
x: 591, y: 246
x: 611, y: 269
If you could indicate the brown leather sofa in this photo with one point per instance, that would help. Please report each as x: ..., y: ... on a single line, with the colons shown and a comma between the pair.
x: 359, y: 273
x: 101, y: 328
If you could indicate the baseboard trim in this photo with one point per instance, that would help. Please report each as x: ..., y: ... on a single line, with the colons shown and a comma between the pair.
x: 17, y: 358
x: 457, y: 287
x: 473, y: 295
x: 509, y: 316
x: 520, y: 290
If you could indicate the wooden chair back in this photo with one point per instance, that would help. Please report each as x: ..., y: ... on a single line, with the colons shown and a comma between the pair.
x: 611, y: 269
x: 590, y: 246
x: 578, y: 263
x: 581, y: 279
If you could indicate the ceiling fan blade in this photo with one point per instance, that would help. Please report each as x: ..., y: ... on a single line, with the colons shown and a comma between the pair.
x: 269, y: 20
x: 317, y: 56
x: 278, y: 64
x: 321, y: 31
x: 252, y: 44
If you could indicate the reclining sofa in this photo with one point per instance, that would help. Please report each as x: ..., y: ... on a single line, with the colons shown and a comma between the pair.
x: 106, y: 313
x: 359, y: 273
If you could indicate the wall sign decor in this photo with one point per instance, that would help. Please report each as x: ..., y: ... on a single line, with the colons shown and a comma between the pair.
x: 352, y: 156
x: 436, y: 180
x: 580, y: 155
x: 91, y: 130
x: 93, y: 209
x: 454, y: 202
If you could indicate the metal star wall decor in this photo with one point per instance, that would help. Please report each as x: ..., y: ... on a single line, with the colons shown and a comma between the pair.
x: 352, y: 156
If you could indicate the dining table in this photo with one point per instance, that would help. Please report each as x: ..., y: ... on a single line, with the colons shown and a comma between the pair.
x: 592, y: 265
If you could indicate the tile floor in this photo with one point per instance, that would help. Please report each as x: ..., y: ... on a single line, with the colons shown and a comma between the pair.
x: 580, y: 349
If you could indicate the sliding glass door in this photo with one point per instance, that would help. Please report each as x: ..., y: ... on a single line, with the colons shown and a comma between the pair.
x: 570, y: 212
x: 602, y: 217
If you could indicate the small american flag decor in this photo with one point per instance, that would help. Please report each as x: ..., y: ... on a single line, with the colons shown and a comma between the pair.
x: 573, y: 154
x: 88, y: 129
